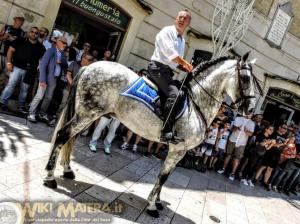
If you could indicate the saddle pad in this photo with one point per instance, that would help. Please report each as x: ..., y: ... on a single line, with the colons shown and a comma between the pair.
x: 144, y: 93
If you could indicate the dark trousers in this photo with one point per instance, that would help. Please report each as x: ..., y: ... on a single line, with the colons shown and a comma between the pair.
x: 161, y: 75
x: 254, y: 161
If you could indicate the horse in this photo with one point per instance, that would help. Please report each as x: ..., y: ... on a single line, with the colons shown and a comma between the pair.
x: 96, y: 92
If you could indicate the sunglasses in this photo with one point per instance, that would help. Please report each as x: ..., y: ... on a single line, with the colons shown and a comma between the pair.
x: 86, y: 45
x: 63, y: 42
x: 36, y: 33
x: 285, y: 128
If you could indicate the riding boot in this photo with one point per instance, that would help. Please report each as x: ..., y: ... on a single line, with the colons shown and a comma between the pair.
x: 168, y: 134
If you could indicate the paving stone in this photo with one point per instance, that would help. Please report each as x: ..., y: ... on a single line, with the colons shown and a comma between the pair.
x: 106, y: 190
x: 179, y: 179
x: 35, y: 191
x: 129, y: 212
x: 133, y: 200
x: 125, y: 177
x: 146, y: 219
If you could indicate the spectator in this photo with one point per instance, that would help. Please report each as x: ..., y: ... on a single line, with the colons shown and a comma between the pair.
x: 221, y: 143
x: 107, y: 56
x: 22, y: 61
x: 156, y: 151
x: 8, y: 34
x: 271, y: 157
x: 51, y: 67
x: 43, y: 37
x: 125, y: 144
x: 86, y: 49
x: 243, y: 127
x: 285, y: 165
x: 113, y: 125
x: 72, y: 71
x: 262, y: 143
x: 208, y: 148
x: 95, y: 54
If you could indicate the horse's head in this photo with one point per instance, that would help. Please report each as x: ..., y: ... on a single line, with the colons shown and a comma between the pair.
x: 240, y: 86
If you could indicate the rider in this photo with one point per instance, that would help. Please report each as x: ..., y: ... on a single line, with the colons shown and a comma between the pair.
x: 168, y: 54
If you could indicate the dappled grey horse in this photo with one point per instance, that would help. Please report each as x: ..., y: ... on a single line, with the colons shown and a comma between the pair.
x: 97, y: 92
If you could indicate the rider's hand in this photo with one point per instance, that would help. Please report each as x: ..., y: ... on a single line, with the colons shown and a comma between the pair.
x: 187, y: 66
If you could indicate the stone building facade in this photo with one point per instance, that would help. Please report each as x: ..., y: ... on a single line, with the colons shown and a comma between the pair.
x: 278, y: 69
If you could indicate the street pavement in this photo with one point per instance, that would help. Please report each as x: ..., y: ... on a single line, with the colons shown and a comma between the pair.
x: 125, y: 179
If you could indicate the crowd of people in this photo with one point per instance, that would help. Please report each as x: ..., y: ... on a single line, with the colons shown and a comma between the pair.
x: 245, y: 147
x: 250, y: 149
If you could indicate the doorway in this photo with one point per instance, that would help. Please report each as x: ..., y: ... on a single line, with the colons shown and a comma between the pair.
x: 85, y: 28
x: 277, y: 113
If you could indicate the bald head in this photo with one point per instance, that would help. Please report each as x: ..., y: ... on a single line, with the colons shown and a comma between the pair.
x: 182, y: 21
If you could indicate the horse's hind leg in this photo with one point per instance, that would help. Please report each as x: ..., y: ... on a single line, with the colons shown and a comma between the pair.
x: 64, y: 139
x: 173, y: 157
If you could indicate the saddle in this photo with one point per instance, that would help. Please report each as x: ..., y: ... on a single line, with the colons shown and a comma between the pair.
x: 145, y: 91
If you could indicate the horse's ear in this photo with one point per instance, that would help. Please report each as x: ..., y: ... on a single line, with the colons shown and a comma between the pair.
x: 252, y: 62
x: 245, y: 56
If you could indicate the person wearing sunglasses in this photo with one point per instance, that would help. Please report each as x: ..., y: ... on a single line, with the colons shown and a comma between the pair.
x: 51, y: 67
x: 23, y: 57
x: 86, y: 49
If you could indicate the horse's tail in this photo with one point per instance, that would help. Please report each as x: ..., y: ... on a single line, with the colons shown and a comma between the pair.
x: 68, y: 113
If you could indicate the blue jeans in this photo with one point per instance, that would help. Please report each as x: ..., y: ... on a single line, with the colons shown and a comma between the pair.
x: 104, y: 122
x: 15, y: 77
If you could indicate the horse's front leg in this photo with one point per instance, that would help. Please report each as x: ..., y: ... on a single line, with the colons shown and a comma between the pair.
x: 175, y: 154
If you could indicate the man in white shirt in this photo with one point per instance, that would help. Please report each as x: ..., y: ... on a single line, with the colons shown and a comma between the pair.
x: 168, y: 54
x: 243, y: 127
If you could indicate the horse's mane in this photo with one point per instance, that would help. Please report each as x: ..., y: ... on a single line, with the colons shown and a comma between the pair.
x: 206, y: 64
x: 202, y: 66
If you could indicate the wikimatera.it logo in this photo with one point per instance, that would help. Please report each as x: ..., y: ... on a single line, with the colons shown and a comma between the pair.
x: 57, y: 212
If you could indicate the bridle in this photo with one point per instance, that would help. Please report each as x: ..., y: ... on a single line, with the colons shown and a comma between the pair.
x: 242, y: 99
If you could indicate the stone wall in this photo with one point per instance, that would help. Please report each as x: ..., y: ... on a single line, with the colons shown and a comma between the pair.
x: 36, y: 12
x: 283, y: 62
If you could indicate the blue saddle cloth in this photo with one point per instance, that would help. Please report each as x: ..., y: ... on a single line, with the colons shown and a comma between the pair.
x: 144, y: 93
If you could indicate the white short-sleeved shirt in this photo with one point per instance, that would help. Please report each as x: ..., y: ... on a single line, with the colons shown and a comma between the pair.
x: 168, y: 45
x: 212, y: 136
x: 223, y: 139
x: 239, y: 136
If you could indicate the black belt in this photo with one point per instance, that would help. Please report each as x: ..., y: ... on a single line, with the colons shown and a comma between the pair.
x: 159, y: 64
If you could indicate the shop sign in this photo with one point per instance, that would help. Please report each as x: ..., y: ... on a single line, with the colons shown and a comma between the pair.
x: 280, y: 24
x: 104, y: 10
x: 286, y: 97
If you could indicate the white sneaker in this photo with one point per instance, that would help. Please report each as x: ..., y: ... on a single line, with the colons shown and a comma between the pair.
x: 134, y: 148
x: 125, y: 145
x: 244, y: 181
x: 231, y: 177
x: 31, y: 118
x: 221, y: 171
x: 107, y: 150
x: 250, y: 183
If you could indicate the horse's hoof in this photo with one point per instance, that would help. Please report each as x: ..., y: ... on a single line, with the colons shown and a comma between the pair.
x: 50, y: 183
x: 69, y: 175
x: 153, y: 213
x: 159, y: 206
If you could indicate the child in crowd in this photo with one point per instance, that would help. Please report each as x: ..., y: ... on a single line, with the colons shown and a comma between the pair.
x: 210, y: 142
x: 221, y: 143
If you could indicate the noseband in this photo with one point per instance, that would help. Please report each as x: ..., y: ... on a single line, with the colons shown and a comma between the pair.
x: 242, y: 97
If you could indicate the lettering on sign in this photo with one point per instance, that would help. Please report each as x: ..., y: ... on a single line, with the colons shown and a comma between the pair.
x: 104, y: 10
x: 286, y: 97
x: 280, y: 25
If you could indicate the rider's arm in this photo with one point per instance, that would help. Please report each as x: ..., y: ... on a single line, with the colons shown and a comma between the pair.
x: 165, y: 41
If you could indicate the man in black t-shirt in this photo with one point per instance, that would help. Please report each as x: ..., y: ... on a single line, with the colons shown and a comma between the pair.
x: 8, y: 34
x: 22, y: 61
